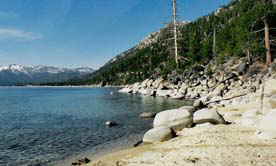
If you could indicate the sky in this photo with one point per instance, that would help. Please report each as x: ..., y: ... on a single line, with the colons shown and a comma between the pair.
x: 75, y: 33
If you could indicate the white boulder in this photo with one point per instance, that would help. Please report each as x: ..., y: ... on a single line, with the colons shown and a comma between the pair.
x: 160, y: 134
x: 177, y: 96
x: 267, y: 126
x: 164, y: 93
x: 125, y: 90
x: 270, y: 87
x: 208, y: 115
x: 177, y: 119
x: 272, y: 101
x: 147, y: 115
x: 147, y: 92
x: 250, y: 118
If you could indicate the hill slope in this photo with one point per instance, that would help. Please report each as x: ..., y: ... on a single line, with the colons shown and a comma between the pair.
x: 237, y: 28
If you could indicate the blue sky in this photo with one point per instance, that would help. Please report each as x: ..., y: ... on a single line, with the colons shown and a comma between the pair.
x: 72, y: 33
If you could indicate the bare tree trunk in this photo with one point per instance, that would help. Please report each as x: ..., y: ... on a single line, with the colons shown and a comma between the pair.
x: 267, y: 44
x: 175, y: 32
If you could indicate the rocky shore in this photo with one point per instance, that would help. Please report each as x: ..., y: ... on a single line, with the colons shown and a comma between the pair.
x: 232, y: 122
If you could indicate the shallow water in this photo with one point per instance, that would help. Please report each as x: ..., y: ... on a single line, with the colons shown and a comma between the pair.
x: 42, y: 125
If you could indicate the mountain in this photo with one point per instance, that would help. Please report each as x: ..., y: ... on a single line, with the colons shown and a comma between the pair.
x: 20, y: 75
x: 234, y: 30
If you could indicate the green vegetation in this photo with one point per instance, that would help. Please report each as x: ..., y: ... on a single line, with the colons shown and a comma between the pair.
x: 237, y: 28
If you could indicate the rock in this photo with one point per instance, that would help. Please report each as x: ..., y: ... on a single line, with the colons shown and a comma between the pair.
x: 110, y: 123
x: 198, y: 104
x: 242, y: 68
x: 253, y: 89
x: 81, y: 161
x: 177, y: 96
x: 84, y: 160
x: 157, y: 83
x: 147, y: 115
x: 159, y: 134
x: 218, y: 90
x: 190, y: 109
x: 270, y: 88
x: 149, y: 83
x: 272, y: 101
x: 125, y: 90
x: 144, y: 83
x: 250, y: 118
x: 147, y: 92
x: 267, y: 126
x: 208, y: 115
x: 195, y: 96
x: 138, y: 143
x: 164, y: 93
x: 204, y: 124
x: 177, y: 119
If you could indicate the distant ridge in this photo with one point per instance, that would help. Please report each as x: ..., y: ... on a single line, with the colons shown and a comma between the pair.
x: 16, y: 74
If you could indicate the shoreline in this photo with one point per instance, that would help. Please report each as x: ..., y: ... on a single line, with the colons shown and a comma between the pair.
x: 210, y: 144
x: 67, y: 86
x: 104, y: 149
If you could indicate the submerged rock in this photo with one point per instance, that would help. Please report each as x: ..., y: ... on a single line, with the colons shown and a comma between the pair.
x: 147, y: 115
x: 111, y: 123
x: 159, y: 134
x: 177, y: 119
x: 82, y: 161
x: 208, y: 115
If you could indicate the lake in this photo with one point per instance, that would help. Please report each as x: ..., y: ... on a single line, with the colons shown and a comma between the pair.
x: 40, y: 125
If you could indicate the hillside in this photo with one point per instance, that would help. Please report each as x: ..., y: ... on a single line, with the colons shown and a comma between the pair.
x: 235, y: 30
x: 22, y: 75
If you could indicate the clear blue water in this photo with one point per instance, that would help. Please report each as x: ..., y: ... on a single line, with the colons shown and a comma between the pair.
x: 41, y: 125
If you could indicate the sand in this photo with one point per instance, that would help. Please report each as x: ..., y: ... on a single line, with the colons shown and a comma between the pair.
x: 221, y: 145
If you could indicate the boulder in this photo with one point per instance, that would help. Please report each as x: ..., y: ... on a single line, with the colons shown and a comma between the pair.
x: 145, y: 83
x: 147, y: 92
x: 272, y: 101
x: 250, y: 118
x: 270, y: 87
x: 164, y: 93
x: 159, y: 134
x: 177, y: 96
x: 149, y: 83
x: 208, y: 115
x: 147, y: 115
x: 190, y: 109
x: 267, y: 126
x: 198, y: 104
x: 110, y: 123
x: 125, y: 90
x: 242, y: 68
x: 204, y: 124
x: 177, y: 119
x: 156, y: 83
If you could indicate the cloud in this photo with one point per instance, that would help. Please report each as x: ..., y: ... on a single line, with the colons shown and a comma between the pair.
x: 8, y: 15
x: 18, y: 35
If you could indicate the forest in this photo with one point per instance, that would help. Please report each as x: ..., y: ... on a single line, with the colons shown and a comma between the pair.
x: 235, y: 30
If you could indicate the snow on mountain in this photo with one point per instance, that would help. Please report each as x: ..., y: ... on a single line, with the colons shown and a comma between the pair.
x: 20, y: 74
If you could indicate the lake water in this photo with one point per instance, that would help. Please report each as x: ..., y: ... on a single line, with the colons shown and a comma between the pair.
x: 42, y: 125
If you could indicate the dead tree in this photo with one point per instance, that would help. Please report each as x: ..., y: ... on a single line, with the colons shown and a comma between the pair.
x: 267, y: 44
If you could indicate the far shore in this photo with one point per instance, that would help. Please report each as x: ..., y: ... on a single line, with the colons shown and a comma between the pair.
x: 65, y: 86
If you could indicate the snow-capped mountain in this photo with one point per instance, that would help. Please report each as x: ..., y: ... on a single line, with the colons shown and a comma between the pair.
x: 19, y: 74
